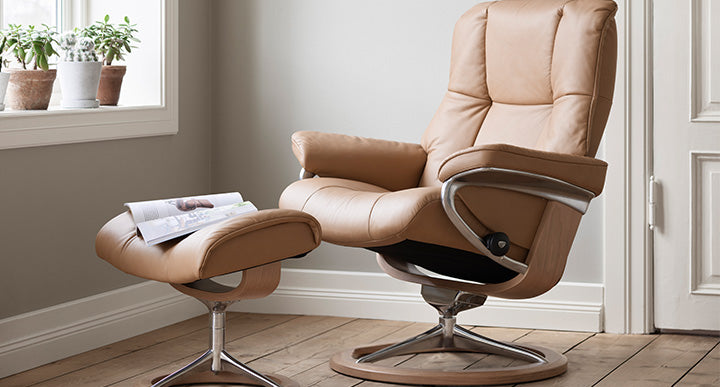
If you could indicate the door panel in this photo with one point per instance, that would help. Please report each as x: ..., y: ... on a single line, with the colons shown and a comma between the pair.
x: 705, y: 227
x: 686, y: 136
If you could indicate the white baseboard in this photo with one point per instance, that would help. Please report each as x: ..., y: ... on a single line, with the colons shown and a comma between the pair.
x: 568, y: 306
x: 43, y: 336
x: 40, y: 337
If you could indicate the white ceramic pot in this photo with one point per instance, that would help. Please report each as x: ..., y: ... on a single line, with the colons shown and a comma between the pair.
x: 4, y: 79
x: 79, y: 84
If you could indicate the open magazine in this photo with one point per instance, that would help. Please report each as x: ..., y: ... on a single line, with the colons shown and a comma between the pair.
x: 161, y: 220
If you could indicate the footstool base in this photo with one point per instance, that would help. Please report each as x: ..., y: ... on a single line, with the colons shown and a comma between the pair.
x: 216, y: 365
x: 198, y: 372
x: 232, y: 378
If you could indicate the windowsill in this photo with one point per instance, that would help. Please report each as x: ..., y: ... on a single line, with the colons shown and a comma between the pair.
x: 59, y: 111
x: 20, y: 129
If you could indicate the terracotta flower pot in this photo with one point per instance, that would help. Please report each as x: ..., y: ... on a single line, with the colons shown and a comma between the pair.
x: 110, y: 83
x: 4, y: 79
x: 30, y: 89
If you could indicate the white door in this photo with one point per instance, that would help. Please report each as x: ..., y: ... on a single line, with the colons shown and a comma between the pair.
x: 686, y: 136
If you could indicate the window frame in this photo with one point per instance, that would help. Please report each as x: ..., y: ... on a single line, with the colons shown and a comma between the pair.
x: 19, y: 129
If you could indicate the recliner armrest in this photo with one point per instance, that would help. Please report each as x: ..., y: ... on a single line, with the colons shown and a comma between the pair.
x: 388, y: 164
x: 584, y: 172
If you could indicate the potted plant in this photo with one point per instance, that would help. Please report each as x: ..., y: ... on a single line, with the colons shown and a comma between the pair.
x: 4, y: 77
x: 79, y: 72
x: 113, y: 43
x: 30, y: 87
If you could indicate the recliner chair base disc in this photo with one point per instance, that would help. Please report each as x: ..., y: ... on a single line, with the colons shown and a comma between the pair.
x: 346, y: 363
x: 225, y: 377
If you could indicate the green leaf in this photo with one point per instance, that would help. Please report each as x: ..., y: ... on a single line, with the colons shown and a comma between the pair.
x: 107, y: 18
x: 49, y: 50
x: 127, y: 20
x: 43, y: 62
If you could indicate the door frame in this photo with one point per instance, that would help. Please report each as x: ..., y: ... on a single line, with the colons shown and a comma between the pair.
x: 628, y: 277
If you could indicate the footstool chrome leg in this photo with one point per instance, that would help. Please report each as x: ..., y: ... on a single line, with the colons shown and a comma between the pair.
x: 248, y: 371
x: 217, y: 332
x: 216, y: 357
x: 217, y: 340
x: 168, y: 380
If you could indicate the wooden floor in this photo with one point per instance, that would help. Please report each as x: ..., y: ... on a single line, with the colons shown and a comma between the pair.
x: 299, y: 347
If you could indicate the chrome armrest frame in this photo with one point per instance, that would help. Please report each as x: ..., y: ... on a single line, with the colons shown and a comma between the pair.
x: 529, y: 183
x: 305, y: 174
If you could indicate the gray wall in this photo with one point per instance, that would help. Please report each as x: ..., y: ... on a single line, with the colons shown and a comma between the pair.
x: 56, y: 198
x: 252, y: 72
x: 372, y: 68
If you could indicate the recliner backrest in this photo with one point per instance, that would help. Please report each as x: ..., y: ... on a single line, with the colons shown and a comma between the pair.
x: 538, y: 74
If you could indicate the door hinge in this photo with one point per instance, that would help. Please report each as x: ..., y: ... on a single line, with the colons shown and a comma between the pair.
x: 652, y: 205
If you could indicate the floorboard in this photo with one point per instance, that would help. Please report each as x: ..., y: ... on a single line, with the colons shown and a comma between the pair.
x: 706, y: 372
x: 246, y: 347
x: 596, y: 357
x: 307, y: 363
x: 299, y: 347
x: 108, y: 352
x: 154, y: 356
x: 330, y: 378
x: 663, y: 362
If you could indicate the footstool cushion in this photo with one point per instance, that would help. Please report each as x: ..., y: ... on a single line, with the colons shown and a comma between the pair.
x: 236, y: 244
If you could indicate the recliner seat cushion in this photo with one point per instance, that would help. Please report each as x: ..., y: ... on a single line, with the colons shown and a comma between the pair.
x: 363, y: 215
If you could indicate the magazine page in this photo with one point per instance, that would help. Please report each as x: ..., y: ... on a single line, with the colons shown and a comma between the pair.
x: 163, y: 229
x: 156, y: 209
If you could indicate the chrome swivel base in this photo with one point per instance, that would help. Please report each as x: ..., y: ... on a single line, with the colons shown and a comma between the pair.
x: 218, y: 366
x: 538, y: 363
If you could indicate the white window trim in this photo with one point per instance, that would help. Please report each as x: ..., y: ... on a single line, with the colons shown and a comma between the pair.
x: 73, y: 14
x: 20, y: 129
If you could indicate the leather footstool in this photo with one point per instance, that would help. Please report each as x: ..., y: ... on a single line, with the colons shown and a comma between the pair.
x: 252, y: 243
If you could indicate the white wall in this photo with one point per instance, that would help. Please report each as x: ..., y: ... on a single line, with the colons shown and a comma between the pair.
x: 373, y: 68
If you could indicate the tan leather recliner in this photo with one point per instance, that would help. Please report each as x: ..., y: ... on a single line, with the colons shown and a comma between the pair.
x: 493, y: 195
